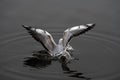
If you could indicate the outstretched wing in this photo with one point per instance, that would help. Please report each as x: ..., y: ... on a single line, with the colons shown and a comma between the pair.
x: 42, y: 36
x: 75, y: 31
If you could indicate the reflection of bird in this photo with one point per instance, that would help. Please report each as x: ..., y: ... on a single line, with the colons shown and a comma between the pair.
x: 62, y: 48
x: 39, y: 59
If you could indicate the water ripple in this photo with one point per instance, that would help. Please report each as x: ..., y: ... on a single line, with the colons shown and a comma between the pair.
x: 15, y: 54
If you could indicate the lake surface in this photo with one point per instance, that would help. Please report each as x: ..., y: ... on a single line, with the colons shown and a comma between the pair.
x: 98, y: 50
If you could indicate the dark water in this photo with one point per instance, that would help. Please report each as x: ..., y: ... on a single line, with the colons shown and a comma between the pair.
x: 98, y: 50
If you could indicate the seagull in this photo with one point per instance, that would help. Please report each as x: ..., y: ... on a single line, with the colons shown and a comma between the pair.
x: 63, y: 47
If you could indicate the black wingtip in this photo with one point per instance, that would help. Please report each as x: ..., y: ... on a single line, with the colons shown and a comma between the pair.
x: 94, y: 24
x: 91, y: 25
x: 26, y: 27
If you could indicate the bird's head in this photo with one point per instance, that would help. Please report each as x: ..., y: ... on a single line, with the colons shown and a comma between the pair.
x: 66, y: 55
x: 60, y: 41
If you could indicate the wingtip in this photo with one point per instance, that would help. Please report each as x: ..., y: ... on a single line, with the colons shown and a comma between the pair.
x: 91, y: 24
x: 26, y: 27
x: 94, y: 24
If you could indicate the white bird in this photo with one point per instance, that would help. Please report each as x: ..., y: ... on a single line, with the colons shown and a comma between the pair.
x: 62, y: 48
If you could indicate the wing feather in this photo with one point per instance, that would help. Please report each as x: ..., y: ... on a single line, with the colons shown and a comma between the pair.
x: 75, y: 31
x: 42, y: 36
